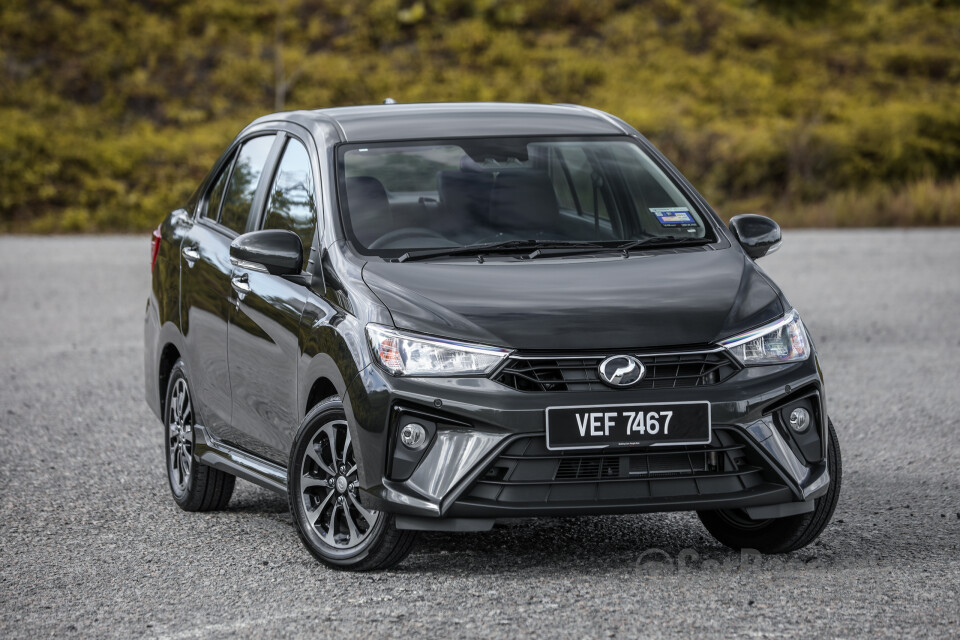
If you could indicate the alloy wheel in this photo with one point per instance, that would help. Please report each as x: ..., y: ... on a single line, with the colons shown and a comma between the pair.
x: 328, y: 489
x: 180, y: 437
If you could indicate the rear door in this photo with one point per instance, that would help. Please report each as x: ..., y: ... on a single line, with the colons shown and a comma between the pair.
x: 264, y: 344
x: 206, y: 296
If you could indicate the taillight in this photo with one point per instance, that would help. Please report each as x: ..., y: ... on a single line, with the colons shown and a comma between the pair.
x: 154, y: 247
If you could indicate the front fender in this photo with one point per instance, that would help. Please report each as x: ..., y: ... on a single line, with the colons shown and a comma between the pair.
x: 333, y: 351
x: 331, y: 348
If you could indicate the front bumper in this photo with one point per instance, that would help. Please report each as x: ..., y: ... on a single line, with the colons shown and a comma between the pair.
x: 487, y: 458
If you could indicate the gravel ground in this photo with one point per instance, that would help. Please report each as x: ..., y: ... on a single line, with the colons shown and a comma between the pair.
x: 91, y: 543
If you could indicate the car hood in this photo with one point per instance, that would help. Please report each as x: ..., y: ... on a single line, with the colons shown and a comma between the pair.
x: 650, y: 300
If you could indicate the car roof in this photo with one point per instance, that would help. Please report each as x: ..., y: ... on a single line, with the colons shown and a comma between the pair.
x: 372, y: 123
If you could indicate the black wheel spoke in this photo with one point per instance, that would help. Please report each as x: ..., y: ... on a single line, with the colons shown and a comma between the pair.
x: 332, y: 525
x: 369, y: 516
x: 329, y: 430
x: 186, y: 415
x: 312, y: 453
x: 355, y: 535
x: 314, y: 514
x: 186, y: 460
x: 346, y: 447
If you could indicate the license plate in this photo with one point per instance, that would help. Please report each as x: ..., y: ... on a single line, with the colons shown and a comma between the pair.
x: 628, y: 425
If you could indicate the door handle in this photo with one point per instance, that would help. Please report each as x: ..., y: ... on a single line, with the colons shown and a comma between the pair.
x: 241, y: 284
x: 191, y: 255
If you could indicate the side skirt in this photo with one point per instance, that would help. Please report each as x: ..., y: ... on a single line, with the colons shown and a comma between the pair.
x: 219, y: 455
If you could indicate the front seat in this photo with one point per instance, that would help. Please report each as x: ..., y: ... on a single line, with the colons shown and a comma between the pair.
x: 368, y: 208
x: 524, y: 203
x: 465, y: 203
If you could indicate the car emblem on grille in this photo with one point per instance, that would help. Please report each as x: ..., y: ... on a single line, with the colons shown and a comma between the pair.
x: 621, y: 371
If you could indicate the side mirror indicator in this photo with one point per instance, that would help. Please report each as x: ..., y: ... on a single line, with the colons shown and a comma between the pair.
x: 278, y: 251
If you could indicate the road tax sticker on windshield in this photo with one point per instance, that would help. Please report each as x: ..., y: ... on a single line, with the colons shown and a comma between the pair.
x: 674, y: 216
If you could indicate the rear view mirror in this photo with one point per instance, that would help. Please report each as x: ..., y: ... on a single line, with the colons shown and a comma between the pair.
x: 758, y: 235
x: 278, y: 251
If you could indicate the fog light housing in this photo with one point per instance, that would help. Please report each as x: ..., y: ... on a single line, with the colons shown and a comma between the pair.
x: 413, y: 436
x: 799, y: 419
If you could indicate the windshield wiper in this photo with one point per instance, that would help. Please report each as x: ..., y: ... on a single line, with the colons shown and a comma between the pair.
x: 537, y: 245
x: 496, y: 247
x: 659, y: 241
x: 621, y: 247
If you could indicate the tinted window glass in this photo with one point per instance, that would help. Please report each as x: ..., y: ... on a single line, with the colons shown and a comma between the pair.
x: 243, y: 183
x: 293, y: 203
x: 212, y: 209
x: 402, y: 196
x: 586, y: 179
x: 400, y: 169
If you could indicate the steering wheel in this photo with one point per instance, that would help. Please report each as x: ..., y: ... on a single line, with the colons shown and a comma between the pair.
x: 390, y: 237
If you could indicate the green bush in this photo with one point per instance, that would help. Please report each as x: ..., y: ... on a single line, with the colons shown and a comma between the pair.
x: 827, y: 112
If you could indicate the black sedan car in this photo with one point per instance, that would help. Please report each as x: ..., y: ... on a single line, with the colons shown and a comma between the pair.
x: 431, y: 317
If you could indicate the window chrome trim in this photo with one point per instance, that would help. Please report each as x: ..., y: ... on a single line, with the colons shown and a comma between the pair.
x: 585, y: 356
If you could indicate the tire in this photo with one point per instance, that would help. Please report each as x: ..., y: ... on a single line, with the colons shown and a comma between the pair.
x: 780, y: 535
x: 322, y: 488
x: 195, y: 486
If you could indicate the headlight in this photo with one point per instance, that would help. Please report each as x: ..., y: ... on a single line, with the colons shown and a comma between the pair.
x: 409, y: 354
x: 782, y: 341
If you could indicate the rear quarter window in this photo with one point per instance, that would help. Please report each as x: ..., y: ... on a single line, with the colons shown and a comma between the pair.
x: 215, y: 197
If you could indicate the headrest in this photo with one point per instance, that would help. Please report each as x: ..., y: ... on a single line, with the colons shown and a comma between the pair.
x: 465, y: 197
x: 524, y: 200
x: 368, y: 207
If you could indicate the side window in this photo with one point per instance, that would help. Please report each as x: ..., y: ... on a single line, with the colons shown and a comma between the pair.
x: 242, y: 188
x: 293, y: 197
x: 212, y: 209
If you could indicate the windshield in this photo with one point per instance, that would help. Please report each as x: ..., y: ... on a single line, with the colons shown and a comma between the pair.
x: 413, y: 196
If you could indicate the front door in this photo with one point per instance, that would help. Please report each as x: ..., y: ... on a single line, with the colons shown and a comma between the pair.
x: 264, y: 338
x: 206, y: 295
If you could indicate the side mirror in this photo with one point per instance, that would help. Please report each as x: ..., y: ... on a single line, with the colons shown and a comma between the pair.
x: 278, y: 251
x: 758, y: 235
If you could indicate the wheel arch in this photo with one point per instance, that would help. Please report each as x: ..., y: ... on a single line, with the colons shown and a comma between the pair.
x: 322, y: 388
x: 168, y: 348
x: 168, y: 357
x: 330, y: 361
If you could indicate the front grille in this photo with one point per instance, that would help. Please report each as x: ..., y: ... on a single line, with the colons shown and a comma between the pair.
x: 587, y: 468
x: 663, y: 371
x: 527, y: 473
